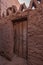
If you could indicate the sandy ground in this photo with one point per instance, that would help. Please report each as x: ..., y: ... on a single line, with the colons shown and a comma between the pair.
x: 15, y: 61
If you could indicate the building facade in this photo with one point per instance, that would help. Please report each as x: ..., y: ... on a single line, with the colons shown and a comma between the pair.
x: 8, y: 3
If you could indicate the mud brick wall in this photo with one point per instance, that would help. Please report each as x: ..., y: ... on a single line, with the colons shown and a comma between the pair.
x: 28, y: 37
x: 6, y: 39
x: 35, y: 37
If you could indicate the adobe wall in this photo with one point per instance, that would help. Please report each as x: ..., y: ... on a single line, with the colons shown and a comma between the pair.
x: 35, y: 37
x: 5, y: 4
x: 29, y: 37
x: 6, y: 39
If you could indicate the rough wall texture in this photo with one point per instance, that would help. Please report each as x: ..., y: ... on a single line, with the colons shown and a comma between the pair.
x: 35, y: 37
x: 5, y: 4
x: 6, y: 39
x: 29, y: 37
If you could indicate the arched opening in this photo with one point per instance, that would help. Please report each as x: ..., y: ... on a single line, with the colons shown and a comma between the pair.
x: 9, y: 11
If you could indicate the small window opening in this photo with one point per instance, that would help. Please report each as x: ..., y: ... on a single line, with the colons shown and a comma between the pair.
x: 33, y: 6
x: 9, y: 11
x: 39, y: 1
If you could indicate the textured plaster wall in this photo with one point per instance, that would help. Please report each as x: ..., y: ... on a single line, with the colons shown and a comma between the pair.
x: 31, y: 34
x: 8, y: 3
x: 35, y: 37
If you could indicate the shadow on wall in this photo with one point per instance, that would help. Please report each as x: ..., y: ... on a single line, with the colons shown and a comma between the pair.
x: 12, y: 9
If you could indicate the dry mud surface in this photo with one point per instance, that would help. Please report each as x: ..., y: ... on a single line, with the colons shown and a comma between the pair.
x: 15, y: 61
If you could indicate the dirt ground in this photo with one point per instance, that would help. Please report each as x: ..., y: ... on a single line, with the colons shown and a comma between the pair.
x: 15, y: 61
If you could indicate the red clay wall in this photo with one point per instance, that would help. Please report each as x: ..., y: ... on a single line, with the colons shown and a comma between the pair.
x: 35, y: 37
x: 6, y: 39
x: 29, y: 37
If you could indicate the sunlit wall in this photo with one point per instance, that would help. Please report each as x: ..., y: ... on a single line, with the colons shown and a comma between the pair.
x: 7, y: 3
